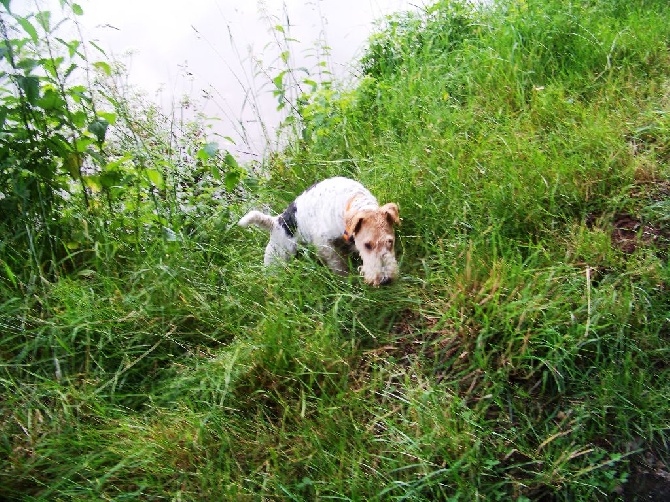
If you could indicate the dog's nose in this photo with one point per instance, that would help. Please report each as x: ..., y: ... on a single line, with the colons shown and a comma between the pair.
x: 384, y: 280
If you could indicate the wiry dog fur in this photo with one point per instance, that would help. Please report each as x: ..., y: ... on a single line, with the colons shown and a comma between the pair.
x: 337, y: 215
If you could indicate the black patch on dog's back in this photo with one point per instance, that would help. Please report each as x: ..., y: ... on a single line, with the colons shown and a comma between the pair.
x: 288, y: 221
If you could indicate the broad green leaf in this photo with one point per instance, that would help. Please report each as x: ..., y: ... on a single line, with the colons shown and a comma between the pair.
x: 6, y: 4
x: 279, y: 80
x: 211, y: 148
x: 44, y: 18
x: 51, y: 100
x: 232, y: 179
x: 83, y: 143
x: 52, y: 65
x: 78, y: 93
x: 77, y: 10
x: 230, y: 161
x: 28, y: 28
x: 108, y: 116
x: 59, y: 145
x: 103, y: 67
x: 93, y: 183
x: 155, y: 177
x: 79, y: 119
x: 27, y: 64
x: 99, y: 129
x: 95, y: 155
x: 73, y: 162
x: 208, y: 151
x: 109, y: 179
x: 280, y: 28
x: 31, y: 88
x: 73, y: 47
x: 284, y: 56
x: 116, y: 163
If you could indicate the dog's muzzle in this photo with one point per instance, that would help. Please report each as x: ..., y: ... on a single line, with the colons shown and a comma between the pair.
x: 384, y: 271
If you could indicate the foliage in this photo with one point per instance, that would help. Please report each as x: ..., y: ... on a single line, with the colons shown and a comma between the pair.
x: 78, y: 148
x: 48, y: 126
x: 521, y: 355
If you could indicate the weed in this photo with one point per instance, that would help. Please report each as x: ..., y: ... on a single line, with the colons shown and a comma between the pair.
x: 522, y: 353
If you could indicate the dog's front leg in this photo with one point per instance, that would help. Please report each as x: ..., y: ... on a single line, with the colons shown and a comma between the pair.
x: 333, y: 259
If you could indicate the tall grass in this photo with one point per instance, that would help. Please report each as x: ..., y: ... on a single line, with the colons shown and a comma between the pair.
x: 522, y: 353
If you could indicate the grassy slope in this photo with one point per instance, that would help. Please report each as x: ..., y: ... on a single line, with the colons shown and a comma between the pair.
x: 521, y: 354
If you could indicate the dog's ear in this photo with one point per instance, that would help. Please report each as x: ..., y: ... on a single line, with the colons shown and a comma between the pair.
x: 353, y: 224
x: 391, y: 211
x: 357, y: 222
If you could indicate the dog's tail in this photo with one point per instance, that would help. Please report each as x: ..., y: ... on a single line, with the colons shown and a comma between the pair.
x: 259, y: 219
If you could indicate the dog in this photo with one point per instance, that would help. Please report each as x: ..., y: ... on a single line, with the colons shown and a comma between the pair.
x: 339, y: 216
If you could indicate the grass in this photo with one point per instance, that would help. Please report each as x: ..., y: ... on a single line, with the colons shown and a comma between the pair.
x: 522, y: 354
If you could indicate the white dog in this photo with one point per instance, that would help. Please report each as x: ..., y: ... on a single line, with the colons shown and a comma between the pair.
x: 338, y: 216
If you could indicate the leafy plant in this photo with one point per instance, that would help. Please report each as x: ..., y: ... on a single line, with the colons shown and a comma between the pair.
x: 521, y: 355
x: 51, y: 128
x: 78, y: 147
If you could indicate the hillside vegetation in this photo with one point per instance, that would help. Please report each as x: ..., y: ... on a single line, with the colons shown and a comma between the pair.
x: 521, y: 355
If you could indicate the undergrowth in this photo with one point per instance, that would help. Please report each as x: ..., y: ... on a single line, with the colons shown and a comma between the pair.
x: 521, y: 355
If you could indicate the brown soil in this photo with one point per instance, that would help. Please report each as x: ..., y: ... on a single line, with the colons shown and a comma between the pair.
x: 629, y: 233
x: 649, y: 481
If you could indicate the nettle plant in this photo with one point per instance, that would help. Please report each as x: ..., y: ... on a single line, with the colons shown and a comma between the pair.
x: 49, y: 126
x: 82, y: 161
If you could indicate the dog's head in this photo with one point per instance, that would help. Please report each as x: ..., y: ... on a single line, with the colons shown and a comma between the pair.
x: 371, y: 232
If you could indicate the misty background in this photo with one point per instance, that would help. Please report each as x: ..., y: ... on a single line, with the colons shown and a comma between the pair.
x: 217, y: 57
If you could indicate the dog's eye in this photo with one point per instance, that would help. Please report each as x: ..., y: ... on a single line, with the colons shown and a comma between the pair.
x: 390, y: 243
x: 368, y: 246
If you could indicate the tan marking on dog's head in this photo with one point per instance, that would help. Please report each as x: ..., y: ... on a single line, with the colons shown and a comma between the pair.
x: 374, y: 239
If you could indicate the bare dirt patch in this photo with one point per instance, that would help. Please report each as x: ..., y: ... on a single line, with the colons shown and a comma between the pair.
x: 649, y: 480
x: 629, y: 233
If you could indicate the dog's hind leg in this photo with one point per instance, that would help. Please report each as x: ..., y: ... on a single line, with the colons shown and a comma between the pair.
x: 281, y: 247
